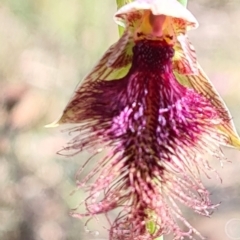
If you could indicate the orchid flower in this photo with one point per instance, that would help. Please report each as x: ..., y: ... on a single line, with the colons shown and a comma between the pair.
x: 149, y: 108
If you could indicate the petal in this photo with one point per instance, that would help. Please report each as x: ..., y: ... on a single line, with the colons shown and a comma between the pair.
x: 189, y: 73
x: 185, y: 59
x: 113, y: 65
x: 202, y: 84
x: 131, y: 12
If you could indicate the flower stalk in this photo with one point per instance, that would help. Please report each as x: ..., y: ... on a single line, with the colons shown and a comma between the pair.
x: 183, y: 2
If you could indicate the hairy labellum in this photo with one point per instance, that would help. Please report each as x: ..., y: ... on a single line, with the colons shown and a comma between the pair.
x: 155, y: 128
x: 149, y: 104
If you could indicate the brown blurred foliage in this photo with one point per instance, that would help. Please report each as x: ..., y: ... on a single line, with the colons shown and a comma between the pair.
x: 46, y: 47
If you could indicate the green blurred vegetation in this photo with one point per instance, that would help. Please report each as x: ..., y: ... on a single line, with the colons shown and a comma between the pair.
x: 46, y: 47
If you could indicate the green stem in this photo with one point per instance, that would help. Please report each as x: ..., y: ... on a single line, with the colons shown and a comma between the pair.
x: 120, y: 3
x: 183, y: 2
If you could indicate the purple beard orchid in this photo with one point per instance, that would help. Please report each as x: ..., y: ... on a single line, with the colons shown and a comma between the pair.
x: 153, y: 111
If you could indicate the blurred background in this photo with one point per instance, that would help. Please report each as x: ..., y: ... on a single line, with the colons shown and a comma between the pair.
x: 46, y: 47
